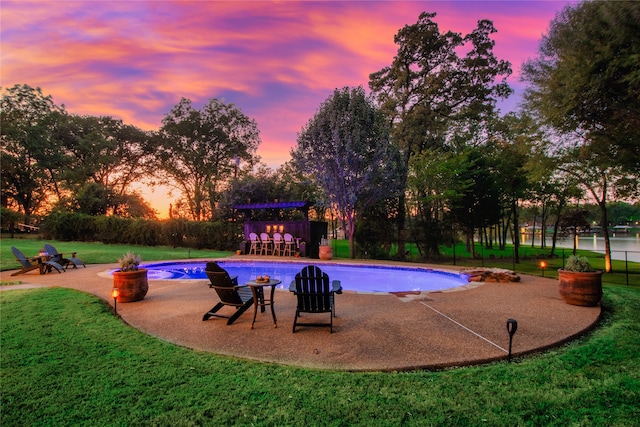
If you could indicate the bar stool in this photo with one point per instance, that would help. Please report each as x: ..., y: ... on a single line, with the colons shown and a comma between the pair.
x: 278, y: 244
x: 255, y: 242
x: 289, y: 244
x: 265, y: 243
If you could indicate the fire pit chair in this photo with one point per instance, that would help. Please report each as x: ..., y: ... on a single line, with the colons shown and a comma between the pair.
x: 311, y: 287
x: 230, y: 293
x: 35, y: 263
x: 66, y: 262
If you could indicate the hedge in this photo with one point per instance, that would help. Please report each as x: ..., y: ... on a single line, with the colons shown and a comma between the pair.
x: 219, y: 235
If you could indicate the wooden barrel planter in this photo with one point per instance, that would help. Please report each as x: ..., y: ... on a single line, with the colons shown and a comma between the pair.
x: 326, y: 253
x: 132, y: 285
x: 580, y: 288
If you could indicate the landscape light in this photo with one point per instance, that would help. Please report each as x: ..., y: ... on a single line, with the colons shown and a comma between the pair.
x: 512, y: 327
x: 543, y: 265
x: 115, y: 293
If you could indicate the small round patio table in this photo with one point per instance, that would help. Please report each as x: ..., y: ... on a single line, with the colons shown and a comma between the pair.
x: 260, y: 301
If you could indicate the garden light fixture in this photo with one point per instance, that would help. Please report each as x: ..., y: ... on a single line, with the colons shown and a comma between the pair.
x: 543, y: 265
x: 115, y: 293
x: 512, y: 327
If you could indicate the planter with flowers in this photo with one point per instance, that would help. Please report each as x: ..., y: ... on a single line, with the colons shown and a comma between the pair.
x: 130, y: 281
x: 579, y: 283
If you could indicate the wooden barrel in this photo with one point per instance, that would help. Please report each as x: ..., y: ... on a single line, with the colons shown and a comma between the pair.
x: 326, y: 253
x: 132, y: 285
x: 580, y: 288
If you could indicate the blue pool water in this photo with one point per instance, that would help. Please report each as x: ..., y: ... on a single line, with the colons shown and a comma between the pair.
x: 362, y: 278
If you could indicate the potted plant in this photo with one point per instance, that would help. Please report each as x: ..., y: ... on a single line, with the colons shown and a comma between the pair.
x: 326, y: 252
x: 579, y: 283
x: 130, y: 280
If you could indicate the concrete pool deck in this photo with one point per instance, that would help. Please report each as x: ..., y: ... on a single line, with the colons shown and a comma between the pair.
x: 372, y: 332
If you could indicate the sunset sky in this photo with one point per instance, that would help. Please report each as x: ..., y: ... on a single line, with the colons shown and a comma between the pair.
x: 276, y: 61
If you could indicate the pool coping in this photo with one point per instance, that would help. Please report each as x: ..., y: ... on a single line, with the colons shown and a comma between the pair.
x: 403, y: 266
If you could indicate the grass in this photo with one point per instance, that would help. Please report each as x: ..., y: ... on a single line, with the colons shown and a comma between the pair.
x: 98, y: 253
x: 66, y: 360
x: 529, y: 260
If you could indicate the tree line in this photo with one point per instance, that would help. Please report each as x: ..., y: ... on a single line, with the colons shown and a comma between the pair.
x: 425, y: 157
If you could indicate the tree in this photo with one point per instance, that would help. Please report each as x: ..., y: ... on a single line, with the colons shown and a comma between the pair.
x: 513, y: 138
x: 429, y: 87
x: 9, y: 219
x: 586, y: 77
x: 345, y: 147
x: 198, y: 150
x: 585, y: 82
x: 477, y: 203
x: 433, y: 187
x: 101, y: 155
x: 25, y: 132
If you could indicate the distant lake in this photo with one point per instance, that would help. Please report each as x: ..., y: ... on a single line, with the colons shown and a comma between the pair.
x: 620, y: 243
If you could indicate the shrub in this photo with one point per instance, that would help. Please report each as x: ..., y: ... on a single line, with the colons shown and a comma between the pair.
x: 129, y: 262
x: 66, y: 226
x: 144, y: 232
x: 578, y: 264
x: 112, y: 229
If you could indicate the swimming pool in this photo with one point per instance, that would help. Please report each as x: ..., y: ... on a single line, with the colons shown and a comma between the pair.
x: 361, y: 278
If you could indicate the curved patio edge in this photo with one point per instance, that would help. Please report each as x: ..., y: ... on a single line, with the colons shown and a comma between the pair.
x: 429, y: 330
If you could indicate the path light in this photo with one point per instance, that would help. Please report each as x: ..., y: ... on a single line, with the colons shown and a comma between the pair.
x: 115, y: 293
x: 512, y: 327
x: 543, y: 265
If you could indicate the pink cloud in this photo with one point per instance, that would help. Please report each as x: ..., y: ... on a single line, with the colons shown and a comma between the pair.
x: 277, y: 61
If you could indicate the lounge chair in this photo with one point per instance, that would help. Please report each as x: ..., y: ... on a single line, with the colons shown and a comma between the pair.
x: 60, y: 259
x: 230, y: 293
x: 311, y: 287
x: 40, y: 263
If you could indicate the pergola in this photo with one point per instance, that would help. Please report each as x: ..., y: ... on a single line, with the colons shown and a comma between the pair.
x: 309, y: 232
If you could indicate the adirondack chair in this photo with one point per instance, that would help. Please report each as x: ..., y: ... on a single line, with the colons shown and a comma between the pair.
x: 60, y: 259
x: 39, y: 263
x: 230, y: 293
x: 311, y: 287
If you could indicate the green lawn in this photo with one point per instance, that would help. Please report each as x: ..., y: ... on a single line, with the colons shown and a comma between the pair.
x: 66, y: 360
x: 97, y: 253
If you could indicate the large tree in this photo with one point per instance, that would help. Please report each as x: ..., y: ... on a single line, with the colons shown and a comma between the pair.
x: 345, y: 147
x: 429, y: 87
x: 585, y: 82
x: 26, y: 119
x: 102, y: 155
x: 586, y: 77
x: 200, y: 150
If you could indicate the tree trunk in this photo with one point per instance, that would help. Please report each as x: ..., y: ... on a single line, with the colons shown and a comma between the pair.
x: 351, y: 229
x: 533, y: 231
x: 607, y: 243
x: 516, y: 231
x: 401, y: 221
x: 556, y: 227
